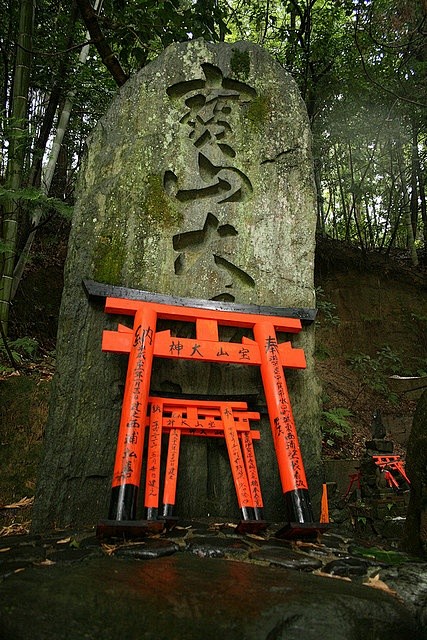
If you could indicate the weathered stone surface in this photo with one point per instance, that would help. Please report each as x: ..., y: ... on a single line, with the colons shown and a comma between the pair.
x: 151, y: 548
x: 244, y: 597
x: 69, y: 555
x: 183, y: 596
x: 347, y: 567
x: 410, y: 580
x: 216, y: 547
x: 27, y: 553
x: 286, y: 558
x: 197, y: 182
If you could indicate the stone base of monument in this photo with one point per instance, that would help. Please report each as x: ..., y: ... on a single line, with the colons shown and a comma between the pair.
x: 131, y: 529
x: 302, y: 530
x: 134, y: 529
x: 251, y: 526
x: 380, y: 445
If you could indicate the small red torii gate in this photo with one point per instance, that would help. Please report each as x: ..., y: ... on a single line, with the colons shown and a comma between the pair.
x: 143, y: 342
x: 205, y: 418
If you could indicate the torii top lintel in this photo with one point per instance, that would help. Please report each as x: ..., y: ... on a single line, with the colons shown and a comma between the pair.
x: 100, y: 290
x: 192, y: 314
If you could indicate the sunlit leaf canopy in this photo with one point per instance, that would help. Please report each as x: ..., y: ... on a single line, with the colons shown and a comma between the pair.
x: 360, y: 66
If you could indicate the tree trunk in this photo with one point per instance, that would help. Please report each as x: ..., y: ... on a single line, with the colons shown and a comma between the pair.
x: 420, y: 181
x: 355, y: 204
x: 320, y: 200
x: 16, y: 153
x: 108, y: 58
x: 406, y: 206
x: 414, y: 183
x: 345, y: 212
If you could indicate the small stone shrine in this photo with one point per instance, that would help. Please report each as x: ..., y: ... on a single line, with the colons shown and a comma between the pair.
x: 197, y: 183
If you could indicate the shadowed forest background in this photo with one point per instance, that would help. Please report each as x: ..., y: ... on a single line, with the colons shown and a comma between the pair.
x: 361, y: 69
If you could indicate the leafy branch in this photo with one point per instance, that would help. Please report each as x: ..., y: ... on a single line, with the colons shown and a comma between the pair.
x: 34, y: 196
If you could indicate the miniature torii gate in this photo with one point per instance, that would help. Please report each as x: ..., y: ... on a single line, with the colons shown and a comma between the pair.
x: 144, y: 342
x: 176, y: 417
x: 206, y: 418
x: 395, y: 463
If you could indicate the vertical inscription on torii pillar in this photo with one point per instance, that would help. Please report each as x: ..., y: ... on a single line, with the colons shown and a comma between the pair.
x: 213, y: 176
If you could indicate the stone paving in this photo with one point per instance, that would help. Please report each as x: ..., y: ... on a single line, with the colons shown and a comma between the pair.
x: 385, y: 581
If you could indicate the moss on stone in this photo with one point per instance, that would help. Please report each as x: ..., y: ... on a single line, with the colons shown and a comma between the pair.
x: 158, y: 205
x: 110, y: 256
x: 258, y: 110
x: 240, y: 63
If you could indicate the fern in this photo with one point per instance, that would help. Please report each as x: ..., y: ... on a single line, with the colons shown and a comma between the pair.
x: 16, y: 352
x: 335, y: 425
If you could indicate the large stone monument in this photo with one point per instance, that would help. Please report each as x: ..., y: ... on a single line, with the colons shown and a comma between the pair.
x: 415, y: 538
x: 198, y: 183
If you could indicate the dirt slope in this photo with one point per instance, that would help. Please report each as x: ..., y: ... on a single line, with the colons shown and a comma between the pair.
x: 372, y: 325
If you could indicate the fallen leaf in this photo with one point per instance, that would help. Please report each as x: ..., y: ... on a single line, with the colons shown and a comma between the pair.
x: 376, y: 583
x: 330, y: 575
x: 254, y: 536
x: 109, y: 549
x: 24, y: 502
x: 15, y: 529
x: 308, y: 545
x: 45, y: 563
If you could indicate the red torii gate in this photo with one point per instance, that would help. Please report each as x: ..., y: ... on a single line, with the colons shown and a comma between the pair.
x: 204, y: 418
x: 143, y: 342
x: 391, y: 463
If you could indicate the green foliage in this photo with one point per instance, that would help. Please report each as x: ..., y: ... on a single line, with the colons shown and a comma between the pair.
x: 334, y: 425
x: 34, y: 197
x: 321, y: 352
x: 381, y: 555
x: 420, y: 317
x: 21, y: 349
x: 141, y: 30
x: 375, y: 370
x: 240, y: 63
x: 326, y: 309
x: 421, y: 369
x: 356, y: 65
